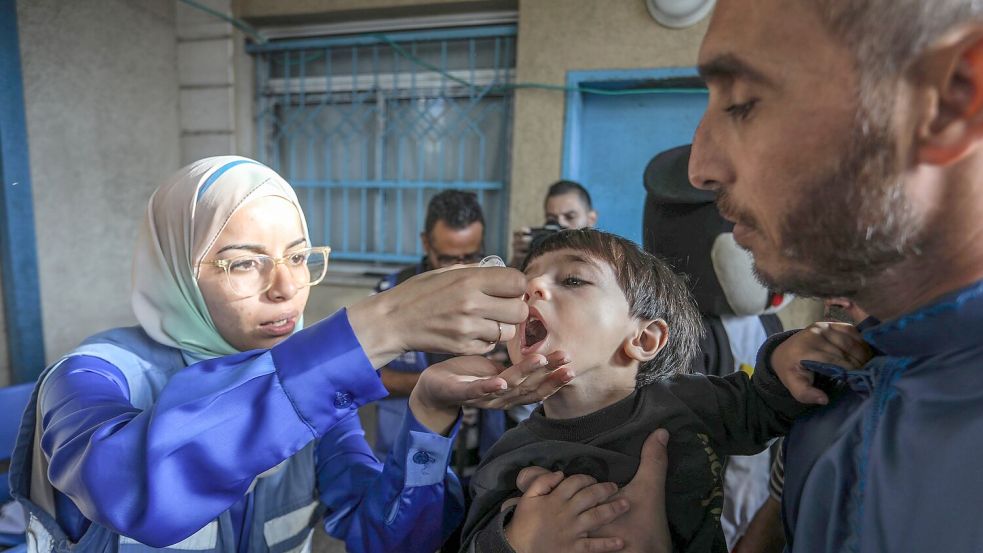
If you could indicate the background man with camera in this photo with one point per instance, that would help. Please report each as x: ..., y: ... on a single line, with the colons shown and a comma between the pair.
x: 567, y: 205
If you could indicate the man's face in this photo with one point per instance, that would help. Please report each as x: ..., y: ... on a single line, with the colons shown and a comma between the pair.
x: 446, y: 246
x: 569, y: 211
x: 809, y: 176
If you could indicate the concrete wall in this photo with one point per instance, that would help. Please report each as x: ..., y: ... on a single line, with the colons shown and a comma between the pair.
x: 557, y: 36
x: 209, y: 58
x: 100, y: 82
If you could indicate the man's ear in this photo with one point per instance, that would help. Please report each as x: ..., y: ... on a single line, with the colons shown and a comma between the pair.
x: 952, y: 75
x: 425, y: 243
x: 648, y: 341
x: 592, y: 218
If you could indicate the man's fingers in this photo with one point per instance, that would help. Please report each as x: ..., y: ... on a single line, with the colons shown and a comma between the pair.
x: 654, y: 459
x: 508, y: 504
x: 544, y: 484
x: 599, y: 545
x: 526, y: 477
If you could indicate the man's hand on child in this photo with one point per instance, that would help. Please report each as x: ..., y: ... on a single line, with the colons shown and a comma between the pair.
x: 480, y: 382
x: 645, y: 528
x: 558, y: 512
x: 826, y: 342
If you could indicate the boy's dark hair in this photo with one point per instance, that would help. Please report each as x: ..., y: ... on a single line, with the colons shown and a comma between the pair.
x: 653, y: 291
x: 562, y: 187
x: 457, y: 209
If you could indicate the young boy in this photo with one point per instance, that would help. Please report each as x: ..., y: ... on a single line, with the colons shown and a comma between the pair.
x: 630, y: 327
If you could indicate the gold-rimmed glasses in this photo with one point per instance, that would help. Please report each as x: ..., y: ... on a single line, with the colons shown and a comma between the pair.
x: 250, y: 275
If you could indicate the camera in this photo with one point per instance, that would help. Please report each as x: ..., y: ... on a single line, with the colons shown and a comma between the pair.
x: 539, y: 234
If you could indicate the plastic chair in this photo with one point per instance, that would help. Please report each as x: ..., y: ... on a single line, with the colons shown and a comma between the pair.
x: 13, y: 401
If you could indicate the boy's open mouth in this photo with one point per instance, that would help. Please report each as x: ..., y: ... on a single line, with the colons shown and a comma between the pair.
x: 534, y: 332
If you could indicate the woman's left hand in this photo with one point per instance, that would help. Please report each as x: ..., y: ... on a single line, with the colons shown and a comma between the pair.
x: 480, y: 382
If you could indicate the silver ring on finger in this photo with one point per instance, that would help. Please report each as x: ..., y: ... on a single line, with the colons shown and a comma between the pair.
x: 499, y: 339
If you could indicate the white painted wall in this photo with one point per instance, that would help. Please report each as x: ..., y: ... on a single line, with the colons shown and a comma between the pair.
x: 101, y: 93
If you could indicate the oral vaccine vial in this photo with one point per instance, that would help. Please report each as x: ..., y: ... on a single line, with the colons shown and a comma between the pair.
x: 492, y: 261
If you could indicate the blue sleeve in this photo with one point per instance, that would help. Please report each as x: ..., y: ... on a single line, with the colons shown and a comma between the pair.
x: 158, y: 475
x: 410, y: 504
x: 409, y: 362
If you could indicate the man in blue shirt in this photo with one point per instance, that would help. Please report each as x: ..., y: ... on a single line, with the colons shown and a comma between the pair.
x: 843, y: 139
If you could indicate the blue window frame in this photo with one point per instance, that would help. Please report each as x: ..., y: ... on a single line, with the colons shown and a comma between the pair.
x: 18, y: 256
x: 368, y: 128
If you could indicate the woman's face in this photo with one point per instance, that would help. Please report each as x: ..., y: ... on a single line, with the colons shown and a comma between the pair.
x: 268, y: 226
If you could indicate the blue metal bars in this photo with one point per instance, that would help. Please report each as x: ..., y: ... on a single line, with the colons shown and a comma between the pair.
x: 368, y: 128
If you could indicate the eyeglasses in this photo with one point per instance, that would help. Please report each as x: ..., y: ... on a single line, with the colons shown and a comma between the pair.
x: 250, y: 275
x: 466, y: 259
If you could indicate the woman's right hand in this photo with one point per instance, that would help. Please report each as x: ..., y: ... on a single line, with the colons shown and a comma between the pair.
x: 459, y: 311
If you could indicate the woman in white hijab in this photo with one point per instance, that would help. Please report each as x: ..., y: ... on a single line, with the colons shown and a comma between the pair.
x: 218, y: 425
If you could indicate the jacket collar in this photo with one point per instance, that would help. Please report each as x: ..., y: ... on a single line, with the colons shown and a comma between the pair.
x: 951, y: 323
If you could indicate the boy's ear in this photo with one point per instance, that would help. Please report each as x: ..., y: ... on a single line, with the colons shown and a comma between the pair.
x: 592, y: 218
x: 648, y: 341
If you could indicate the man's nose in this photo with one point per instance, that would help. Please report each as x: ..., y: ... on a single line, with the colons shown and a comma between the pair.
x: 706, y: 168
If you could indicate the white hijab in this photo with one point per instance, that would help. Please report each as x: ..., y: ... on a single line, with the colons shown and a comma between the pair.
x: 184, y: 217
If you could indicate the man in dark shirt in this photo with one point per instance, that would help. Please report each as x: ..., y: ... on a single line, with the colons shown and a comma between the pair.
x: 453, y: 234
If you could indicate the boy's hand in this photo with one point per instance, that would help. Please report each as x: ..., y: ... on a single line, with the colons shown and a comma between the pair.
x: 835, y: 343
x: 557, y: 513
x: 480, y: 382
x: 645, y: 528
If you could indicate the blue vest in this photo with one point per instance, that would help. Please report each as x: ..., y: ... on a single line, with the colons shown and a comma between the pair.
x: 285, y: 501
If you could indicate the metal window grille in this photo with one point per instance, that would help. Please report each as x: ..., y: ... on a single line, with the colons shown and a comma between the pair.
x: 367, y: 135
